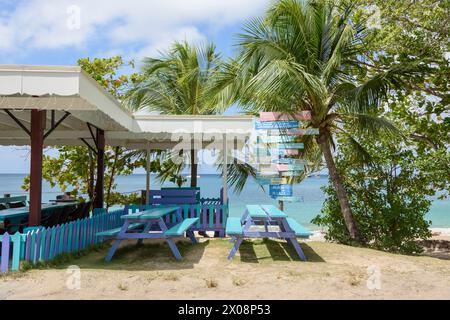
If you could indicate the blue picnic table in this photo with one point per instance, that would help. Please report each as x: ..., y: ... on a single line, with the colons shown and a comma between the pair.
x: 22, y: 212
x: 140, y: 226
x: 256, y: 222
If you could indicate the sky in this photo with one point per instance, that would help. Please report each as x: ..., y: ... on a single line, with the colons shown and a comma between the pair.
x: 59, y: 32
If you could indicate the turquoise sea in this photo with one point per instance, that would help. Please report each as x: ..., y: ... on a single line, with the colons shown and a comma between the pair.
x: 252, y: 194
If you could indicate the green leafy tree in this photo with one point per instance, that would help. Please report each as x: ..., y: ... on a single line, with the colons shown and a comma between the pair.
x: 304, y: 56
x: 389, y: 197
x: 179, y: 83
x: 412, y: 32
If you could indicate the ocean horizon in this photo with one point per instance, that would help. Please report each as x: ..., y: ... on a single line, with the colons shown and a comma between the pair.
x: 210, y: 185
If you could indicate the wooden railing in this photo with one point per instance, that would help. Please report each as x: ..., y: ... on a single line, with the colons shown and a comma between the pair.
x: 46, y: 244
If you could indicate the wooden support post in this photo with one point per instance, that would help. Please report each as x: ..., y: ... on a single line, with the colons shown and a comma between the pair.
x: 148, y: 172
x: 99, y: 187
x: 38, y: 119
x: 225, y: 170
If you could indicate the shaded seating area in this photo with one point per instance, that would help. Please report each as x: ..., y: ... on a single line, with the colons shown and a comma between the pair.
x: 16, y: 219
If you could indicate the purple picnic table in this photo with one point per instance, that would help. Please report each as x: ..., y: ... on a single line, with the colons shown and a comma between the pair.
x: 266, y: 216
x: 140, y: 226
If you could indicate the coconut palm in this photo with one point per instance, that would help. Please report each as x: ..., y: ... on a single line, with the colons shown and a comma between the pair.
x: 178, y: 83
x: 304, y: 56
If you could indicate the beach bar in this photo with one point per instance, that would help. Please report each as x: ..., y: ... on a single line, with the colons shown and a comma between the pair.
x: 43, y: 106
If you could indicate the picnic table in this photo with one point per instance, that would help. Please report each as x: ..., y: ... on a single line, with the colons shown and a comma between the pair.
x: 258, y: 222
x: 140, y: 226
x: 16, y: 213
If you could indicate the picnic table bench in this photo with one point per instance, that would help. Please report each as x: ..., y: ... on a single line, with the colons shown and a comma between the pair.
x: 265, y: 216
x: 140, y: 226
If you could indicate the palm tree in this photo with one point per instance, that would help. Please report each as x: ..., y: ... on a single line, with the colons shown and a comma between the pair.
x: 179, y: 83
x: 305, y: 56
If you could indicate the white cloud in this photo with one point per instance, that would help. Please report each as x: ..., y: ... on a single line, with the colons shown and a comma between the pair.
x: 143, y: 26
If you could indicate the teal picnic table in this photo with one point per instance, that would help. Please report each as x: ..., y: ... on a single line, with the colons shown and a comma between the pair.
x: 18, y: 213
x: 258, y: 221
x: 151, y: 224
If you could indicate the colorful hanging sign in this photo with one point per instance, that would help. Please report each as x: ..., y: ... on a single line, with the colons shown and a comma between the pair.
x: 259, y: 125
x: 290, y: 161
x: 280, y: 116
x: 276, y: 139
x: 291, y: 146
x: 302, y: 132
x: 281, y: 190
x: 290, y: 199
x: 290, y: 167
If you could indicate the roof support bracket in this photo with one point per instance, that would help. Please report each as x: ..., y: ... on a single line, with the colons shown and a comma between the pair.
x: 55, y: 125
x: 19, y: 123
x: 89, y: 146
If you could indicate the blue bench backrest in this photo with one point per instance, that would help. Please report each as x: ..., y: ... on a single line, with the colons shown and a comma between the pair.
x: 175, y: 196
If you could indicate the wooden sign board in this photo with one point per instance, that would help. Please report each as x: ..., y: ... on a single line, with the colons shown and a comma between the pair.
x: 284, y: 190
x: 290, y: 161
x: 290, y: 167
x: 291, y: 146
x: 276, y: 139
x: 302, y: 132
x: 280, y: 116
x: 273, y: 125
x: 290, y: 199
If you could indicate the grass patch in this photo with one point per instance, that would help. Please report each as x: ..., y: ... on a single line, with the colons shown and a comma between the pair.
x: 62, y: 259
x: 211, y: 283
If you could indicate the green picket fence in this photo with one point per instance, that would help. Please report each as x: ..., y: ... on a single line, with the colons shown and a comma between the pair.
x: 47, y: 244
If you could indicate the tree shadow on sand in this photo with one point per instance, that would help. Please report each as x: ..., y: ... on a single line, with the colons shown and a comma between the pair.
x: 272, y: 250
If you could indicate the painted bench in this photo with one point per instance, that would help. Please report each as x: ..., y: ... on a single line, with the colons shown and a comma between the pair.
x: 234, y: 227
x: 299, y: 230
x: 181, y: 228
x: 116, y: 231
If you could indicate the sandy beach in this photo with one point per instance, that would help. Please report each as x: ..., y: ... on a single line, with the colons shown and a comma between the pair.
x: 261, y: 270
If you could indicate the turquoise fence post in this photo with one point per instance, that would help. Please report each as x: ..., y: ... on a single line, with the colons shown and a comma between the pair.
x: 77, y: 236
x: 33, y: 246
x: 62, y: 232
x: 51, y: 252
x: 4, y: 264
x: 211, y: 216
x: 69, y: 237
x: 48, y: 239
x: 17, y: 248
x: 23, y: 239
x: 42, y: 245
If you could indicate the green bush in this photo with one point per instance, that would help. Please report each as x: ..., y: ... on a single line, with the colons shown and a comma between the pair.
x: 389, y: 199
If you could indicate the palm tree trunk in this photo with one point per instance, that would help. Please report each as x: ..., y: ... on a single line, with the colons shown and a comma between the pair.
x: 350, y: 222
x: 194, y: 168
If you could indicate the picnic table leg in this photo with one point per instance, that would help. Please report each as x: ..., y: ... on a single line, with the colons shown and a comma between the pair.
x: 191, y: 236
x: 235, y: 248
x: 117, y: 242
x: 292, y: 241
x: 174, y: 249
x: 298, y: 249
x: 170, y: 242
x: 146, y: 230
